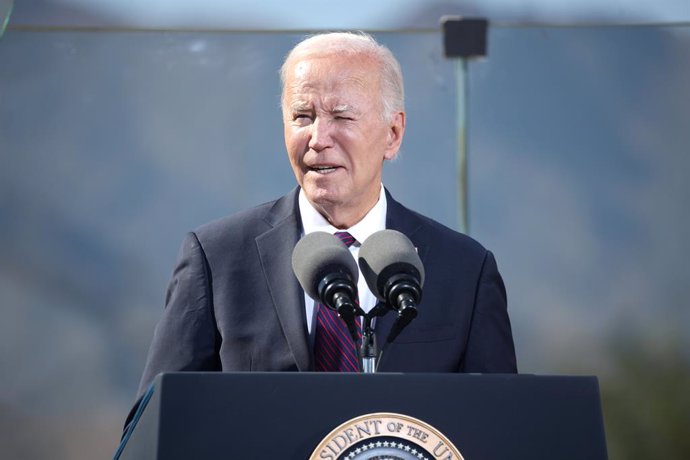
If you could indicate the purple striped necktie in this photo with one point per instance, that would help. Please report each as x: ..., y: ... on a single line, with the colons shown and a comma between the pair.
x: 333, y: 347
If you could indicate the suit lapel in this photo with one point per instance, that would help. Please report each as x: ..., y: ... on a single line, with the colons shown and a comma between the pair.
x: 275, y: 250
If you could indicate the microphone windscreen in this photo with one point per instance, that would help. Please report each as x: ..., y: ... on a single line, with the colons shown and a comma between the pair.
x: 319, y: 254
x: 386, y: 253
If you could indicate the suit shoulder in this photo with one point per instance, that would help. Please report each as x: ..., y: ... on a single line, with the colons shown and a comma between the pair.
x: 233, y: 223
x: 244, y: 226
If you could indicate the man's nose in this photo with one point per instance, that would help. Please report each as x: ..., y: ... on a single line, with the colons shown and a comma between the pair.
x: 320, y: 134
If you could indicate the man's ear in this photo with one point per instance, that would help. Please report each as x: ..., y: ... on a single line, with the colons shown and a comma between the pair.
x: 396, y: 130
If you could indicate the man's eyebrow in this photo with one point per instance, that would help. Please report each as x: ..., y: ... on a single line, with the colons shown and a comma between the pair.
x: 341, y: 108
x: 300, y: 106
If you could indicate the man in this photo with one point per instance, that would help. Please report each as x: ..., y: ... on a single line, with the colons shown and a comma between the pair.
x: 234, y: 304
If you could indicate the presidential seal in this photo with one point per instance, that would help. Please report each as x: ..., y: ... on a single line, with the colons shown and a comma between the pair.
x: 385, y: 436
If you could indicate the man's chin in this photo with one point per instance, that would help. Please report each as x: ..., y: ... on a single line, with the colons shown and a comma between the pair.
x: 322, y: 198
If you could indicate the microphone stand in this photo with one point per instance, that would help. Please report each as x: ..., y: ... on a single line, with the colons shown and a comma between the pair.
x: 369, y: 350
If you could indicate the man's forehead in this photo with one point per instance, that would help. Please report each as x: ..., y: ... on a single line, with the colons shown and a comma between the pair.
x: 340, y: 91
x: 336, y: 84
x: 337, y: 88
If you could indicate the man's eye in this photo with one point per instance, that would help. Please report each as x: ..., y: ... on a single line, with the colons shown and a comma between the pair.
x: 302, y: 119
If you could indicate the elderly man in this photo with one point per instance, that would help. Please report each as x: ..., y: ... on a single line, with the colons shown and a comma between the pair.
x: 234, y: 304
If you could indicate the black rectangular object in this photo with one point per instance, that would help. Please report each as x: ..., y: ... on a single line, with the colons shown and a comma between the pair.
x: 464, y: 37
x: 286, y: 415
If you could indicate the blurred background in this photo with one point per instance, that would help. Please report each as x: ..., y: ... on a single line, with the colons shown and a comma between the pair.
x: 124, y: 124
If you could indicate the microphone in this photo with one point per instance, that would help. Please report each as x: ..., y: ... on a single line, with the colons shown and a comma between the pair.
x: 394, y: 273
x: 327, y: 271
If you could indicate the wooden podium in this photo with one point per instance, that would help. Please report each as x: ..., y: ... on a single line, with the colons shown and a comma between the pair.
x: 287, y: 415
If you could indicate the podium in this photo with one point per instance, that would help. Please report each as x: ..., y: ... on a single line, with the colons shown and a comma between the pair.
x: 287, y: 415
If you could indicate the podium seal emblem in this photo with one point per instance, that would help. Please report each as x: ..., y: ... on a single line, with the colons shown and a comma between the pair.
x: 385, y: 436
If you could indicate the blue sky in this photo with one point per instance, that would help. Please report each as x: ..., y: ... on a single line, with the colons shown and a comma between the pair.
x: 319, y: 14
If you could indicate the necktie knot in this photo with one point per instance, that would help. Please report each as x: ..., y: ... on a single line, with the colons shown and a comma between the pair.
x: 347, y: 239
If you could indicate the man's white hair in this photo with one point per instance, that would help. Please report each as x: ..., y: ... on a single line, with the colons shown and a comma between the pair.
x: 355, y: 43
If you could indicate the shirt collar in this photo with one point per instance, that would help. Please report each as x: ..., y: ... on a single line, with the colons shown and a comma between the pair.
x: 373, y: 221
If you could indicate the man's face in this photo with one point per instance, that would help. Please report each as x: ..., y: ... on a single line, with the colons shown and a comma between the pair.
x: 335, y: 134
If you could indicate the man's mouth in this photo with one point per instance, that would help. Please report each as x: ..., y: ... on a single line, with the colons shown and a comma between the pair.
x: 323, y: 169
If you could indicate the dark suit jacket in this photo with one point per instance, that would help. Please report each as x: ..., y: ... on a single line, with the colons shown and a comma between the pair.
x: 234, y: 304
